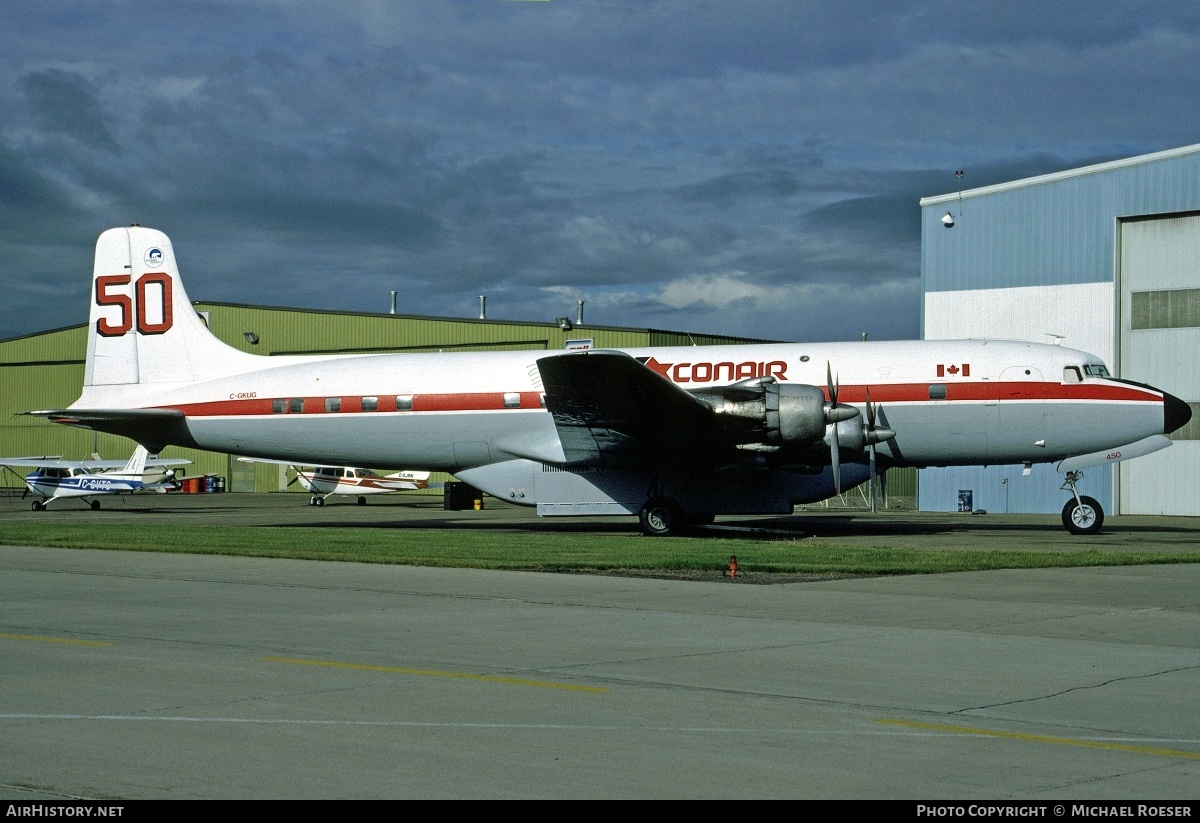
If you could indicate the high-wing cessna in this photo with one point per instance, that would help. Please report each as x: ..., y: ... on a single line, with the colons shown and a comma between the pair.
x: 54, y: 478
x: 675, y: 435
x: 326, y: 481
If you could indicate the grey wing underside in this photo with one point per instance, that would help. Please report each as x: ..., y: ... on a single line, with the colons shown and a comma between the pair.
x: 609, y: 409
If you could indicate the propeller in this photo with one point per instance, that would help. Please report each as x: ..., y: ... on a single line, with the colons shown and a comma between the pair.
x: 873, y: 435
x: 835, y: 414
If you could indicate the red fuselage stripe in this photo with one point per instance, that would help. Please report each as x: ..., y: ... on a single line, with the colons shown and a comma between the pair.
x: 974, y: 391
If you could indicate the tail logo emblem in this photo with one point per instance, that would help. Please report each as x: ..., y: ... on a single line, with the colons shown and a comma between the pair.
x: 154, y: 258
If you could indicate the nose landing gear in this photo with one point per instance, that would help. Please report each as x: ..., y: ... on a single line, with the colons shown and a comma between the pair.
x: 1081, y: 514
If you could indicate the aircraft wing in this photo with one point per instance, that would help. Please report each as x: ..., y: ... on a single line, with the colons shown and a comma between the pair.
x: 398, y: 478
x: 47, y: 462
x: 291, y: 463
x: 56, y: 462
x: 104, y: 465
x: 153, y: 428
x: 609, y: 408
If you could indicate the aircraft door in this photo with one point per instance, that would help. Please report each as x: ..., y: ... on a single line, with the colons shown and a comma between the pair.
x: 1022, y: 420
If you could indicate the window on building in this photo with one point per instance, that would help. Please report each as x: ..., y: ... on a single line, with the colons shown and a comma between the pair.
x: 1167, y: 309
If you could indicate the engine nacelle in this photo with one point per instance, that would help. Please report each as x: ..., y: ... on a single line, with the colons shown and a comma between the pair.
x: 761, y: 414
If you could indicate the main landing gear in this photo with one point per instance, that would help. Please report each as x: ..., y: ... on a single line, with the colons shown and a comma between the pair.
x: 661, y: 517
x: 1081, y: 514
x: 664, y: 517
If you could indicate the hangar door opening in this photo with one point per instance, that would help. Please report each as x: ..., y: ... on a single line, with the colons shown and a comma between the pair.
x: 1159, y: 276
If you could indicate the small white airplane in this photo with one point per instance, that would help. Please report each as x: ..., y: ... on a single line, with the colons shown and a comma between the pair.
x: 674, y: 435
x: 326, y: 481
x: 54, y: 478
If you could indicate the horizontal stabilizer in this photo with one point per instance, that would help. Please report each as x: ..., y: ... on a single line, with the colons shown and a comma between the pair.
x: 152, y: 428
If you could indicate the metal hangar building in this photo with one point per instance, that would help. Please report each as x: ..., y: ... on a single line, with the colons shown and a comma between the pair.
x: 1105, y: 259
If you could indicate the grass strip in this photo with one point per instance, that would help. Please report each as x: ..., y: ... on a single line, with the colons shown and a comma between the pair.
x: 553, y: 551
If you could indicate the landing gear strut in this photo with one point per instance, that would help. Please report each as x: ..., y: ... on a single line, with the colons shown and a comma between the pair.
x: 661, y: 517
x: 1081, y: 514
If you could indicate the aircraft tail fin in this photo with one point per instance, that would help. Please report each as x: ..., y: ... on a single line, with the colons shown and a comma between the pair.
x: 142, y: 325
x: 137, y: 463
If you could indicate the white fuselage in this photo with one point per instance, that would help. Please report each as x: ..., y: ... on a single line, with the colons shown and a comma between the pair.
x: 949, y: 402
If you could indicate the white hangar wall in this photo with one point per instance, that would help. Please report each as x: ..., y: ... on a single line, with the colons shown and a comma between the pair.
x: 1105, y: 259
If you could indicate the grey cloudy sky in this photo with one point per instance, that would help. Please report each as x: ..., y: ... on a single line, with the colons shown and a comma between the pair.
x: 748, y: 167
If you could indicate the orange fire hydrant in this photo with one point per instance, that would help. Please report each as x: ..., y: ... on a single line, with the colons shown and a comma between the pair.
x: 732, y: 565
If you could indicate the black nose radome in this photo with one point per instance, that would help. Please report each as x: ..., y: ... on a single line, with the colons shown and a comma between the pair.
x: 1176, y: 413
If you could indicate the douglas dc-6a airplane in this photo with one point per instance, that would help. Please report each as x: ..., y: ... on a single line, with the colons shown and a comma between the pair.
x: 675, y: 435
x: 53, y: 478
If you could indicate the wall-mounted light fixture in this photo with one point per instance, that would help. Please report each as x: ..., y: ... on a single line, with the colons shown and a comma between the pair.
x: 564, y: 323
x: 251, y: 337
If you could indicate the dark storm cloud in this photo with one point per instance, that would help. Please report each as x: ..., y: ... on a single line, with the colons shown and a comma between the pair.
x: 65, y: 103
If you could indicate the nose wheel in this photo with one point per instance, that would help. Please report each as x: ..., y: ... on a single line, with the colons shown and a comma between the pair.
x: 1081, y: 514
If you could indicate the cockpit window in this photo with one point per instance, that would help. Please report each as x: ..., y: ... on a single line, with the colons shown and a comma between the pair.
x: 1096, y: 370
x: 1072, y: 374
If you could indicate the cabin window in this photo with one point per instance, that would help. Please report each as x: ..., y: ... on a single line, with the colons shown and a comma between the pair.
x: 296, y: 405
x: 370, y: 404
x: 278, y: 406
x: 1071, y: 374
x: 512, y: 400
x: 404, y: 402
x: 333, y: 404
x: 937, y: 391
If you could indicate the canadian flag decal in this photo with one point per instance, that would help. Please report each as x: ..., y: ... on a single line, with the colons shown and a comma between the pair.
x: 954, y: 371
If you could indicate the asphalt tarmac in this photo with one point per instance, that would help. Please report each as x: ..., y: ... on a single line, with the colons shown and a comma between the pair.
x: 133, y: 675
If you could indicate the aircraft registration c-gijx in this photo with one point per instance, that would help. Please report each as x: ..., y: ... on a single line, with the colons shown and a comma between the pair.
x: 675, y: 435
x: 54, y: 478
x: 326, y: 481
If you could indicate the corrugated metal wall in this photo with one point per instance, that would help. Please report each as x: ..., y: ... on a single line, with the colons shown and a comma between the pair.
x: 1038, y: 257
x: 1159, y: 258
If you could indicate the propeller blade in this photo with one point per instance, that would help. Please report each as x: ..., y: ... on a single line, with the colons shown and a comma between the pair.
x: 871, y: 481
x: 835, y: 460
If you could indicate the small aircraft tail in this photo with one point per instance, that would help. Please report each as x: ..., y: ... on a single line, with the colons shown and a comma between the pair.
x: 142, y: 326
x: 136, y: 466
